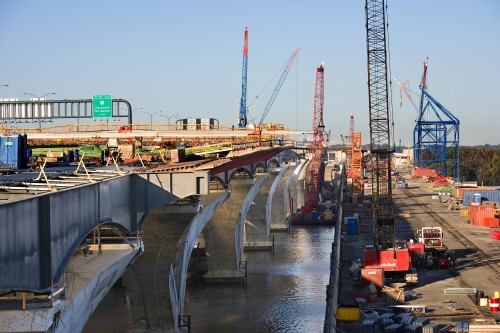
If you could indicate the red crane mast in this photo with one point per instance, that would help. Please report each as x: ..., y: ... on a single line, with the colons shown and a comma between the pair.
x: 314, y: 185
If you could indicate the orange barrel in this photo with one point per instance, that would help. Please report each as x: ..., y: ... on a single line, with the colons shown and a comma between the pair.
x: 494, y: 304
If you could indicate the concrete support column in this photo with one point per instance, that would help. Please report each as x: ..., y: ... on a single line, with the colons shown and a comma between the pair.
x: 224, y: 232
x: 256, y: 228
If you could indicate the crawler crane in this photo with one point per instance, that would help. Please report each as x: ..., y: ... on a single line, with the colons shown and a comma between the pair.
x: 313, y: 212
x: 393, y: 259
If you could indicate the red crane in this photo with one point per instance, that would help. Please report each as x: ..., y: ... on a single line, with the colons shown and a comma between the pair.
x: 314, y: 182
x: 423, y: 84
x: 348, y: 151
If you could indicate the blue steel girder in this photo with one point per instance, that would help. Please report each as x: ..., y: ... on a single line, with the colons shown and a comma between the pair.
x: 39, y: 234
x: 436, y: 137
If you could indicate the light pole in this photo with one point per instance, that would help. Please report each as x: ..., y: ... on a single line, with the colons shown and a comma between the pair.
x: 170, y: 117
x: 151, y: 117
x: 4, y: 122
x: 38, y: 98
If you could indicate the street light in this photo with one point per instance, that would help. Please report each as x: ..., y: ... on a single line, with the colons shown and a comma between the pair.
x: 151, y: 117
x: 39, y: 98
x: 170, y: 117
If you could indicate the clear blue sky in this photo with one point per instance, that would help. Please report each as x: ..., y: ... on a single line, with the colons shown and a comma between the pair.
x: 185, y: 57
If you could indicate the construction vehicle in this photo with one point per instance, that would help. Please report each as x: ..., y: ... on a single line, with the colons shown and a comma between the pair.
x: 385, y: 253
x: 434, y: 253
x: 315, y: 211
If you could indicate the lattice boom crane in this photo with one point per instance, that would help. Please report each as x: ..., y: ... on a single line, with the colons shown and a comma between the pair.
x: 243, y: 102
x: 314, y: 186
x: 385, y: 254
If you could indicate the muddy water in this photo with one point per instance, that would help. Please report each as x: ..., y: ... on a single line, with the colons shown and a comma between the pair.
x: 285, y: 292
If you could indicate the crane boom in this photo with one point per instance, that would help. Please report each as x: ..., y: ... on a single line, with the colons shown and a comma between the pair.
x: 402, y: 86
x: 380, y: 131
x: 243, y: 102
x: 278, y: 86
x: 423, y: 83
x: 314, y: 182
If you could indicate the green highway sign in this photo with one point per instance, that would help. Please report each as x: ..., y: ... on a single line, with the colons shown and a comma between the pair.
x: 102, y: 106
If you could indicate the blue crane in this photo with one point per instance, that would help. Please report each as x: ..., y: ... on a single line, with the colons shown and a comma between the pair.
x: 436, y: 135
x: 278, y: 87
x: 243, y: 102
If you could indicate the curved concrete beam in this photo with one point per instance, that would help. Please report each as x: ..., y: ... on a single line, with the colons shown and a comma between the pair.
x: 272, y: 191
x: 301, y: 186
x: 179, y: 268
x: 243, y: 214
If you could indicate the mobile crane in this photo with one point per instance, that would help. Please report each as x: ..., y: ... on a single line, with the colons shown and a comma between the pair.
x: 393, y: 258
x: 313, y: 211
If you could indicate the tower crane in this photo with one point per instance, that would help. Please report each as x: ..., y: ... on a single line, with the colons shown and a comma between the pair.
x: 243, y: 102
x: 394, y: 260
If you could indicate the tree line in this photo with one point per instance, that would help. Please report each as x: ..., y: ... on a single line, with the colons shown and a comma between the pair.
x: 481, y: 164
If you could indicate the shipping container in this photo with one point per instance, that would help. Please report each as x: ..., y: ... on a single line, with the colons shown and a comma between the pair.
x: 479, y: 196
x: 13, y: 151
x: 459, y: 191
x: 478, y: 213
x: 423, y: 172
x: 491, y: 222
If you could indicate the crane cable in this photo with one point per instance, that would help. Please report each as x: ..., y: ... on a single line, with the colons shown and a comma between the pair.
x: 281, y: 70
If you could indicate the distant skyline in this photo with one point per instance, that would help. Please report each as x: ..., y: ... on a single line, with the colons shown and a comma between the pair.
x: 185, y: 58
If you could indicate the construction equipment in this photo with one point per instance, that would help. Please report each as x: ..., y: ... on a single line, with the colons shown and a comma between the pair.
x: 276, y: 91
x: 436, y: 134
x: 392, y: 257
x: 314, y: 211
x: 314, y: 181
x: 243, y: 102
x: 402, y: 87
x: 356, y: 166
x: 354, y: 162
x: 434, y: 253
x: 348, y: 152
x: 432, y: 238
